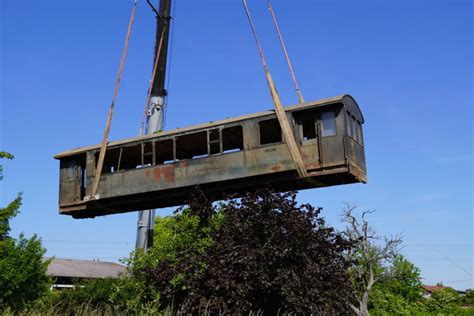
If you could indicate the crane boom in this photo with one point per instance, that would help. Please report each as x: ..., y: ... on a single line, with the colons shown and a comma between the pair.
x: 155, y: 108
x: 162, y: 29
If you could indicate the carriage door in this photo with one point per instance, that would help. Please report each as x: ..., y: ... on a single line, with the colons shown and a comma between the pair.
x: 329, y: 150
x: 309, y: 138
x: 71, y: 180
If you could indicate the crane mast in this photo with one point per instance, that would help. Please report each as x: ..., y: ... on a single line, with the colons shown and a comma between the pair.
x: 155, y: 115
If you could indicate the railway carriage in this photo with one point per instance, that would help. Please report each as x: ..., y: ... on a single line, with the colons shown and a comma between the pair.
x: 230, y: 156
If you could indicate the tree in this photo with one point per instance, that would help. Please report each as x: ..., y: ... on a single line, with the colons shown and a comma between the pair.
x: 384, y: 302
x: 399, y: 291
x: 268, y: 254
x: 177, y: 239
x: 23, y: 276
x: 403, y: 279
x: 370, y: 254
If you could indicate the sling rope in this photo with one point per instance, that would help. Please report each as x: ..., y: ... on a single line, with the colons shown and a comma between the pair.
x: 103, y: 147
x: 280, y: 112
x: 272, y: 13
x: 152, y: 81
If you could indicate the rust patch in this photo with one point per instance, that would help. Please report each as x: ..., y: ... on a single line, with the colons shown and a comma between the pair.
x: 312, y: 165
x: 157, y: 174
x: 168, y: 173
x: 275, y: 168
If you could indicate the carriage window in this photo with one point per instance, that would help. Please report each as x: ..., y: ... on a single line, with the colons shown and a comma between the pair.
x: 270, y: 132
x: 351, y: 125
x: 328, y: 122
x: 359, y: 132
x: 214, y: 141
x: 71, y: 173
x: 309, y: 128
x: 348, y: 123
x: 191, y: 146
x: 124, y: 158
x: 147, y: 154
x: 356, y: 136
x: 232, y: 139
x: 164, y: 152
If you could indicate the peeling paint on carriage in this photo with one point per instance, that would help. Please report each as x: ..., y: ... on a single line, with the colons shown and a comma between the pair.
x: 231, y: 156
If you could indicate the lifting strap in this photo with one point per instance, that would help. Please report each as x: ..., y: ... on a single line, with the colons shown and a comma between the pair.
x: 280, y: 112
x: 103, y: 146
x: 283, y: 46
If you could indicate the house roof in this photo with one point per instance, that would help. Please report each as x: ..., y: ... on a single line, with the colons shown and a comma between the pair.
x: 84, y: 268
x: 431, y: 288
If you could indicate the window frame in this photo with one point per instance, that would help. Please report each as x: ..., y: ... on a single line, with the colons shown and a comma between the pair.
x: 354, y: 128
x: 281, y: 141
x: 334, y: 119
x: 301, y: 124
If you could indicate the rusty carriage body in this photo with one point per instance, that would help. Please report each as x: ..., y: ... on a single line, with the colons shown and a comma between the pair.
x: 230, y: 156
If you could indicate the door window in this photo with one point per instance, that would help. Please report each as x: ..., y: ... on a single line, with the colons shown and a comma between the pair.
x: 328, y: 124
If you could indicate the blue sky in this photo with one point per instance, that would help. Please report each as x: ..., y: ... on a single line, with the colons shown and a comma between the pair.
x: 407, y: 63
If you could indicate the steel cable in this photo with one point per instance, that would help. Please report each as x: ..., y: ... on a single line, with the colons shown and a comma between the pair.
x: 298, y: 91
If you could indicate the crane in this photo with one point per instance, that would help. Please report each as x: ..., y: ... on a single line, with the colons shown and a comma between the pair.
x: 155, y: 107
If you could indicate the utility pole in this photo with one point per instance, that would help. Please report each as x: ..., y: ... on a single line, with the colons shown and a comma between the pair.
x: 156, y: 108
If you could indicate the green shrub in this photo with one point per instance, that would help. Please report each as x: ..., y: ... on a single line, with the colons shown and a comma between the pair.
x: 444, y: 300
x: 96, y: 292
x: 468, y: 298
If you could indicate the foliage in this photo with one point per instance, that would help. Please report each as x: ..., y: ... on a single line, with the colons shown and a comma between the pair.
x: 4, y: 155
x: 443, y: 300
x: 131, y: 293
x: 269, y: 254
x: 399, y: 291
x: 89, y: 310
x: 6, y: 214
x: 385, y: 302
x: 23, y: 276
x: 468, y: 298
x: 91, y: 297
x: 11, y: 210
x: 404, y: 279
x: 96, y: 292
x: 174, y: 235
x: 180, y: 241
x: 184, y: 234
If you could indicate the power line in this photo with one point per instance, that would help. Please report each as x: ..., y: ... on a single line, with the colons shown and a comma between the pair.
x: 457, y: 265
x: 86, y: 242
x: 440, y: 259
x: 440, y: 245
x: 458, y: 281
